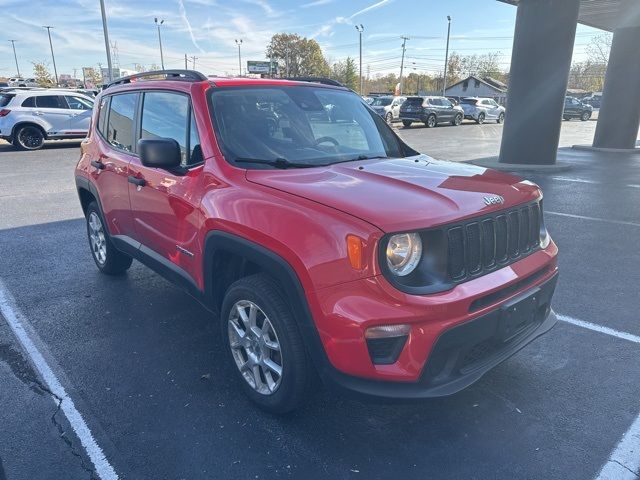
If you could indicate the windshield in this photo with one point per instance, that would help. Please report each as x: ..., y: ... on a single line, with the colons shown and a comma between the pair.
x: 381, y: 102
x: 305, y: 125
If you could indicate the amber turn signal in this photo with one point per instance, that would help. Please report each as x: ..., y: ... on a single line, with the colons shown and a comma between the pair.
x: 355, y: 252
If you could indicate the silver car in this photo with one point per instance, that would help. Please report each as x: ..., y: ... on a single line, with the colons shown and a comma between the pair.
x: 29, y: 117
x: 388, y: 107
x: 482, y: 109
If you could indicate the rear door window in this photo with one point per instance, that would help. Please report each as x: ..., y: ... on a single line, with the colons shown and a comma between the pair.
x: 50, y: 101
x: 121, y: 113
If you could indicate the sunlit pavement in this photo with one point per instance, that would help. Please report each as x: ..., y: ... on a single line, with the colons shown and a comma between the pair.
x: 145, y: 367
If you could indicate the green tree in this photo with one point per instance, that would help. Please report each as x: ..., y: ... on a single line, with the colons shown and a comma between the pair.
x: 42, y: 74
x: 297, y: 56
x: 92, y: 77
x: 345, y: 72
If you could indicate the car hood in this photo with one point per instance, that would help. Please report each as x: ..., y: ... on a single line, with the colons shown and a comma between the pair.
x: 404, y: 193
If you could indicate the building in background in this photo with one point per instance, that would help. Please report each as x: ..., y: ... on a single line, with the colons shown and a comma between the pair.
x: 473, y: 86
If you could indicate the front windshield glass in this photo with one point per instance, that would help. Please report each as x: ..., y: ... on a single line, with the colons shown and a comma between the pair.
x: 381, y: 102
x: 305, y: 125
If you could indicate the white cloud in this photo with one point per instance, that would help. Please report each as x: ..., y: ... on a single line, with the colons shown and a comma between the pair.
x: 183, y: 14
x: 315, y: 3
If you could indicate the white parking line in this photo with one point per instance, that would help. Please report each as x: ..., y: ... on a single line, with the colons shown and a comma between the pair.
x: 600, y: 328
x: 624, y: 461
x: 20, y: 327
x: 583, y: 217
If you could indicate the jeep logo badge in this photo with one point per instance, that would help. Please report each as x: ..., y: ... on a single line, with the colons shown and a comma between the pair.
x: 493, y: 200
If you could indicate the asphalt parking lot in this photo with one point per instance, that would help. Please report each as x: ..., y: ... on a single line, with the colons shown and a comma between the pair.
x: 144, y: 367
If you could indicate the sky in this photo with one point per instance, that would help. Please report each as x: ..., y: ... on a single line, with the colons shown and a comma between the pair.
x: 207, y: 29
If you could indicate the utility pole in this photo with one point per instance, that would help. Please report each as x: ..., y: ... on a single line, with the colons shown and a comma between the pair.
x: 360, y: 29
x: 239, y: 43
x: 160, y: 40
x: 286, y: 62
x: 404, y: 47
x: 55, y: 70
x: 446, y: 58
x: 106, y: 40
x: 194, y: 58
x: 13, y: 43
x: 186, y: 67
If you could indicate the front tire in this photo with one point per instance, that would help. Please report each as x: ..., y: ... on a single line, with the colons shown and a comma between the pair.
x: 406, y: 123
x: 431, y: 121
x: 585, y: 116
x: 266, y: 349
x: 28, y: 137
x: 481, y: 118
x: 457, y: 121
x: 501, y: 118
x: 388, y: 118
x: 108, y: 259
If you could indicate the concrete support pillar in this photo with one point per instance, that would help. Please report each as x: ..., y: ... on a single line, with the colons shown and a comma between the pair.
x: 619, y: 117
x: 540, y: 63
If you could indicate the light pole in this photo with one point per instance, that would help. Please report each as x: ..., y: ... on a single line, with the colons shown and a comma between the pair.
x: 106, y: 40
x: 13, y: 43
x: 239, y: 43
x: 404, y: 47
x: 360, y: 29
x: 55, y: 70
x: 160, y: 40
x: 446, y: 58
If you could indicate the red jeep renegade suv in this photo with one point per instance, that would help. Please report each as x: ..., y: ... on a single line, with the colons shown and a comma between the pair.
x: 326, y: 245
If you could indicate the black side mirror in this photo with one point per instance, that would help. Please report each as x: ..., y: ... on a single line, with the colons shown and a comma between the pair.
x: 159, y: 153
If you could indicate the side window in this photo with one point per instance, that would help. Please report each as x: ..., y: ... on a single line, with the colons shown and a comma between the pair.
x: 102, y: 116
x: 446, y: 102
x: 166, y: 115
x: 195, y: 150
x: 29, y: 102
x: 77, y: 103
x: 120, y: 129
x: 50, y: 101
x: 436, y: 102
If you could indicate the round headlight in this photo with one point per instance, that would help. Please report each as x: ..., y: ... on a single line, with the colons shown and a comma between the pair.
x: 403, y: 253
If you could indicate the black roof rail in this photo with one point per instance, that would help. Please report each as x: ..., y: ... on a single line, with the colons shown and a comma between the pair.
x: 322, y: 80
x: 183, y: 75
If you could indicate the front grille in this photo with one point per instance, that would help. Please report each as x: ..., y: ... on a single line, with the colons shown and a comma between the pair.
x: 480, y: 246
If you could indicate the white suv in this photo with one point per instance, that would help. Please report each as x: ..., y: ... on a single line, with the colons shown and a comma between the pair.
x: 23, y: 82
x: 29, y: 117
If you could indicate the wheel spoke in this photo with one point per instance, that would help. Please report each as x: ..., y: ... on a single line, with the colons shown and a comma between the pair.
x: 272, y: 366
x: 243, y: 316
x: 237, y: 330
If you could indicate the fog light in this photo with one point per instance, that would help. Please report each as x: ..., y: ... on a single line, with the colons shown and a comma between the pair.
x: 386, y: 342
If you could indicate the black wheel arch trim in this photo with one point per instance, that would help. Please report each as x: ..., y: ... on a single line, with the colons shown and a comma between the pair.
x: 276, y: 266
x: 19, y: 125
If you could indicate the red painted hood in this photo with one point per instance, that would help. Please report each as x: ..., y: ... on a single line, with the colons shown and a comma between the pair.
x: 402, y: 194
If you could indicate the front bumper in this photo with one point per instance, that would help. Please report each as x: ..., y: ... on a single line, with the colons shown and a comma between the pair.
x: 456, y: 336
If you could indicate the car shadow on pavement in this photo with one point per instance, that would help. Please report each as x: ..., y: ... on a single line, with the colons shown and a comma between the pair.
x: 48, y: 145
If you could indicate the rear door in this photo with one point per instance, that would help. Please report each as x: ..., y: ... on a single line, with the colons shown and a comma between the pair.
x: 80, y: 110
x: 165, y: 209
x: 52, y: 113
x: 446, y: 110
x: 114, y: 154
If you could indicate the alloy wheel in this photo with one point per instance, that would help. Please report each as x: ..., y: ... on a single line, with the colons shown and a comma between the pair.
x: 97, y: 238
x: 431, y: 121
x: 30, y: 138
x: 255, y: 347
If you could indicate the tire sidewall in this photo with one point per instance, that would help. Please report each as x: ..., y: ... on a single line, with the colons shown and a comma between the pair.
x: 501, y: 118
x: 481, y: 118
x: 280, y: 401
x: 432, y: 121
x: 388, y: 118
x: 20, y: 145
x: 457, y: 120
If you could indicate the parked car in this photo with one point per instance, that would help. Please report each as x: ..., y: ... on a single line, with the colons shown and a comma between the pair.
x: 330, y: 249
x: 22, y: 82
x: 388, y: 107
x: 594, y: 100
x: 29, y: 117
x: 431, y: 111
x: 482, y: 109
x: 4, y: 84
x: 574, y: 108
x: 368, y: 100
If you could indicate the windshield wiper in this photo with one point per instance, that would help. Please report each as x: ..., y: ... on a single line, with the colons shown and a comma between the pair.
x: 276, y: 162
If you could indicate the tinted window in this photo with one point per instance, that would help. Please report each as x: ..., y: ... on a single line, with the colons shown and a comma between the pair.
x: 469, y: 101
x: 102, y: 116
x: 77, y: 103
x: 307, y: 125
x: 446, y: 103
x: 165, y: 115
x: 29, y: 102
x: 5, y: 99
x: 50, y: 101
x: 413, y: 101
x: 121, y: 111
x: 381, y: 101
x: 195, y: 151
x: 436, y: 102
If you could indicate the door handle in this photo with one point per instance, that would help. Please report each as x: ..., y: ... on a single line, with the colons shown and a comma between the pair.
x: 137, y: 181
x: 38, y: 113
x: 97, y: 164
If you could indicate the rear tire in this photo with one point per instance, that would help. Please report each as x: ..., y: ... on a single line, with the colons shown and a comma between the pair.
x: 388, y: 118
x: 480, y: 119
x: 108, y: 259
x: 432, y: 121
x: 406, y: 123
x: 257, y: 351
x: 28, y: 137
x: 585, y: 116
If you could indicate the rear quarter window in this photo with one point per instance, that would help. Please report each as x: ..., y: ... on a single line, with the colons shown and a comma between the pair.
x: 29, y: 102
x: 5, y: 99
x: 102, y: 116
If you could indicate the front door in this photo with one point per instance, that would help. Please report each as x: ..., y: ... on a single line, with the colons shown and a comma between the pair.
x: 164, y: 204
x: 446, y: 109
x: 79, y: 115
